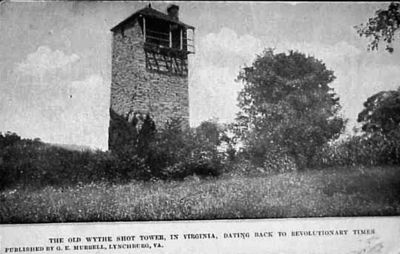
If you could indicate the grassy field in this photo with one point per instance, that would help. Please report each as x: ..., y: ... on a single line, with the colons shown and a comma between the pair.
x: 329, y: 192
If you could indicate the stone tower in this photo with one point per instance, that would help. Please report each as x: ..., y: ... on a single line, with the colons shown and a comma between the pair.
x: 150, y: 68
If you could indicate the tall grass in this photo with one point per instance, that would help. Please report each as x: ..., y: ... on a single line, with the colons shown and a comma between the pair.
x: 329, y: 192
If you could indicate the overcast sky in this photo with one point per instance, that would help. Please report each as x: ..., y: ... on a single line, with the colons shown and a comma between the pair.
x: 55, y: 68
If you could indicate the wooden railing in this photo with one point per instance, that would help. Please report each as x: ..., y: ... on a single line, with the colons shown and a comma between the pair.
x: 164, y: 40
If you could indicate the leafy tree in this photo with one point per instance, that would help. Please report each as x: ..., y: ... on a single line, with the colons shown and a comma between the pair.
x: 383, y: 26
x: 381, y: 113
x: 146, y: 135
x: 123, y: 134
x: 287, y: 106
x: 211, y: 131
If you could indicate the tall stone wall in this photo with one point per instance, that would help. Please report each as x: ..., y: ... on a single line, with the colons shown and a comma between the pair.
x: 136, y: 89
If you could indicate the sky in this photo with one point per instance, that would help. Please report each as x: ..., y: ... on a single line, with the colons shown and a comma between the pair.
x: 55, y: 68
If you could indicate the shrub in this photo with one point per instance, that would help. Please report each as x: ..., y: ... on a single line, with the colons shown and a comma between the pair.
x: 33, y: 163
x: 276, y: 162
x: 366, y: 149
x: 173, y: 152
x: 177, y: 152
x: 122, y: 167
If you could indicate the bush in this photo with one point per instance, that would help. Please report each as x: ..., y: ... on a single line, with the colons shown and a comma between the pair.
x: 199, y: 167
x: 173, y: 152
x: 276, y: 162
x: 177, y: 152
x: 272, y: 157
x: 34, y: 163
x: 109, y: 167
x: 366, y: 149
x: 170, y: 153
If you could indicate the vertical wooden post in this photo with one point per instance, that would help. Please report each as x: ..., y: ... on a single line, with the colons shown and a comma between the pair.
x: 181, y: 38
x: 170, y: 37
x: 144, y: 29
x: 193, y: 41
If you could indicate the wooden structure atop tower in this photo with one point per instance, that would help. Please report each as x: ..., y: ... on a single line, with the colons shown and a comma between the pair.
x: 167, y: 41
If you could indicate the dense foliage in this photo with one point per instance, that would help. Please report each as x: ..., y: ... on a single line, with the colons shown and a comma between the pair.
x: 177, y: 152
x: 379, y: 141
x: 170, y: 153
x: 287, y: 107
x: 383, y: 26
x: 361, y: 150
x: 381, y: 113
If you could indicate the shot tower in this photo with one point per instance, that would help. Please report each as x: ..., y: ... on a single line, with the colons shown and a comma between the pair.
x: 150, y: 67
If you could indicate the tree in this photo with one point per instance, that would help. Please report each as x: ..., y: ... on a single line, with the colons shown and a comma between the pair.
x: 381, y: 113
x: 381, y: 124
x: 287, y: 106
x: 146, y: 135
x: 383, y: 26
x: 211, y: 131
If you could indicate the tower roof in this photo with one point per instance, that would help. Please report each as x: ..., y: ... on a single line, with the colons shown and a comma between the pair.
x: 152, y: 13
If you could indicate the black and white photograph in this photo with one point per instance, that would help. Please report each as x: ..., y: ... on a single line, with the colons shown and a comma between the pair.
x: 121, y: 111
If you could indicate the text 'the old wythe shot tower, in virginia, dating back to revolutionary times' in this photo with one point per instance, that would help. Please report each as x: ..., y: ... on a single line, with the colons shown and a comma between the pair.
x: 149, y: 69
